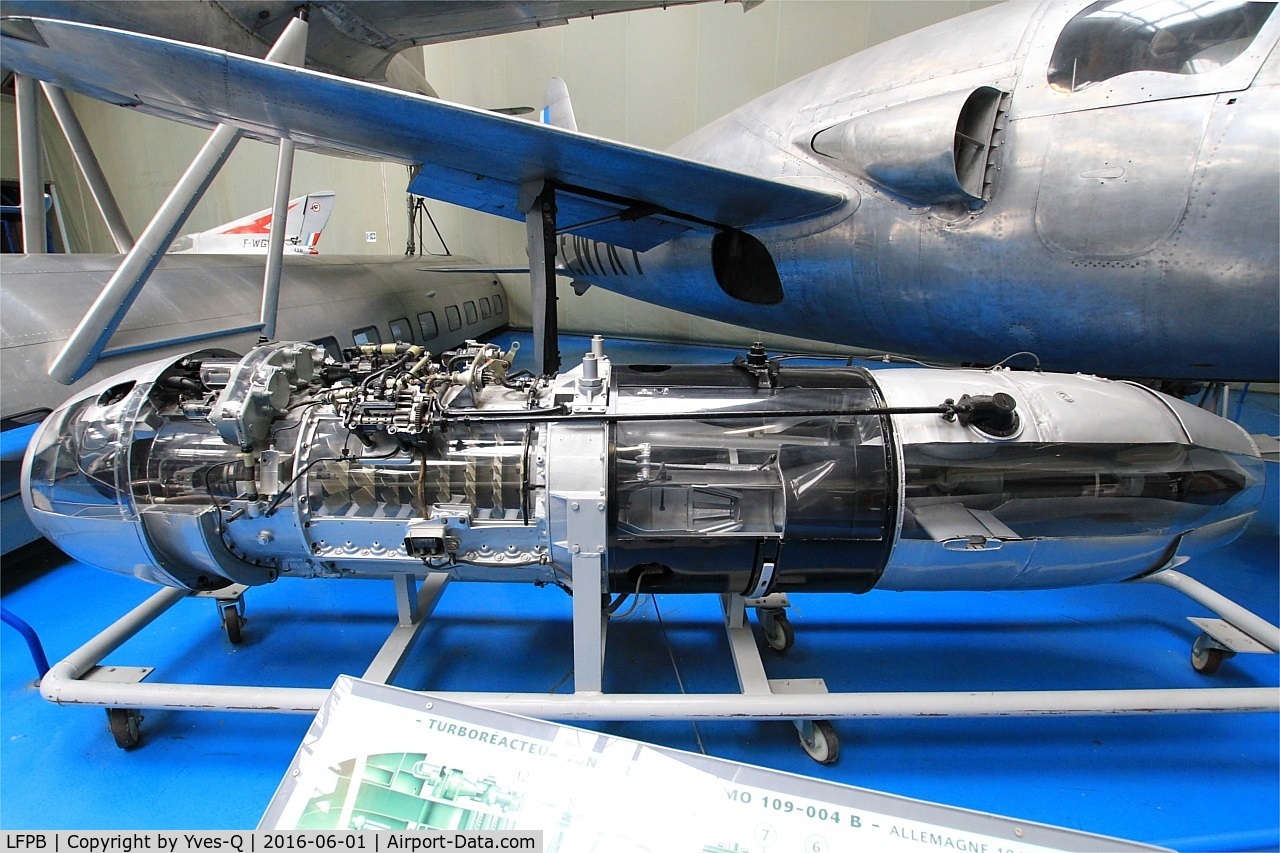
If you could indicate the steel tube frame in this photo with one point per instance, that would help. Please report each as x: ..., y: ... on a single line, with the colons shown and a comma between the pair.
x: 83, y: 659
x: 90, y: 168
x: 1252, y: 624
x: 31, y: 191
x: 64, y: 684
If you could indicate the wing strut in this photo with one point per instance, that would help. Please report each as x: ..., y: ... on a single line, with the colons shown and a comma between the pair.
x: 31, y: 198
x: 280, y: 207
x: 275, y: 241
x: 99, y: 187
x: 538, y: 203
x: 103, y: 318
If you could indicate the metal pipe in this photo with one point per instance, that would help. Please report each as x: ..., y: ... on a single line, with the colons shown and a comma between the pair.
x: 88, y: 340
x: 31, y: 191
x: 559, y: 415
x: 62, y: 684
x: 275, y: 243
x: 639, y: 706
x: 114, y: 635
x: 99, y: 188
x: 57, y: 687
x: 191, y: 697
x: 28, y: 633
x: 1252, y: 624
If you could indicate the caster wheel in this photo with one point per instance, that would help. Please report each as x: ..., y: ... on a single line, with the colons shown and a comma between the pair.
x: 1205, y: 659
x: 126, y: 726
x: 825, y: 746
x: 233, y: 623
x: 781, y: 636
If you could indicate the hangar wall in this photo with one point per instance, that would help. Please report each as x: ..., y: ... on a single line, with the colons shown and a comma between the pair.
x: 648, y: 78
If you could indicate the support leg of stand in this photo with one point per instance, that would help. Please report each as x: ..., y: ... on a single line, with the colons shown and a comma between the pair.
x: 752, y: 678
x: 386, y: 664
x: 1248, y: 622
x: 817, y: 737
x: 406, y: 599
x: 588, y: 624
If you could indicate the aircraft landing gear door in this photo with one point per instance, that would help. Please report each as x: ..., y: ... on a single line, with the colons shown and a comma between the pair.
x: 1129, y: 89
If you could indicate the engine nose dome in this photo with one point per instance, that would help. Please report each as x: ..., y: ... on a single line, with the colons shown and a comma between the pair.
x: 97, y: 482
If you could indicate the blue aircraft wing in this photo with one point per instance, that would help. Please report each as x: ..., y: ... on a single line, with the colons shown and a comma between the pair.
x: 608, y: 191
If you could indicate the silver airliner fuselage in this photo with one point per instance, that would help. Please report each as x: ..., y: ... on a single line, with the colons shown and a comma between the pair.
x: 1124, y: 226
x: 214, y: 301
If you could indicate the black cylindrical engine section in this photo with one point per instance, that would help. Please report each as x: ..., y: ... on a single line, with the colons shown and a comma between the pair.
x: 781, y: 486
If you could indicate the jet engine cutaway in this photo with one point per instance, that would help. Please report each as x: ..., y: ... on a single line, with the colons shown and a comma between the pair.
x: 756, y: 477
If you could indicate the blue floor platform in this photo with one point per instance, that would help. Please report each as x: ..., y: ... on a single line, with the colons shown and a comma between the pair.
x: 1191, y: 782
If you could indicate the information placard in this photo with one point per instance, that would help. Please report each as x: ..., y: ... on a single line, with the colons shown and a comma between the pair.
x: 379, y: 758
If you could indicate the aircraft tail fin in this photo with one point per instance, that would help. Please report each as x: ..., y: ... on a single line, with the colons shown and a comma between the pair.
x: 314, y: 216
x: 559, y: 109
x: 249, y: 235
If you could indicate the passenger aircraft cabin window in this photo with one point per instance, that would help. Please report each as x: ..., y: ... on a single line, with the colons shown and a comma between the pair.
x: 367, y: 335
x: 1115, y: 37
x: 497, y: 303
x: 332, y: 348
x: 427, y: 325
x: 485, y: 310
x: 470, y: 308
x: 401, y: 331
x: 455, y: 319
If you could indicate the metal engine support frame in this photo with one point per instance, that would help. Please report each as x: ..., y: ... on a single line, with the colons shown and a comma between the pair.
x: 80, y: 679
x: 586, y: 479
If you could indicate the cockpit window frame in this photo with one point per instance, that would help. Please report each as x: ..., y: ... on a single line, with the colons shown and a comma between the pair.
x: 1036, y: 96
x: 1109, y: 39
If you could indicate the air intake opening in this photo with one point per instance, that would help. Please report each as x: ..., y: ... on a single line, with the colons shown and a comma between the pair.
x: 744, y: 268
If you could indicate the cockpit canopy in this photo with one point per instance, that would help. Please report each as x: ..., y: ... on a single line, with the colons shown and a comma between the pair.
x: 1115, y: 37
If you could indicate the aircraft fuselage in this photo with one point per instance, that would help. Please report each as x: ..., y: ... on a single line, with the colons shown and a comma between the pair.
x: 1122, y: 227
